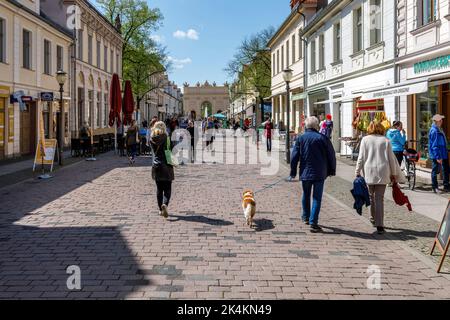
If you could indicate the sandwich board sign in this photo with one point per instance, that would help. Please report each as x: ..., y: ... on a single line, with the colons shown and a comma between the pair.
x: 442, y: 241
x: 49, y: 154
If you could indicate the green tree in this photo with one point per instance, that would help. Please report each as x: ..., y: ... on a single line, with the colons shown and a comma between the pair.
x: 142, y: 57
x: 251, y: 65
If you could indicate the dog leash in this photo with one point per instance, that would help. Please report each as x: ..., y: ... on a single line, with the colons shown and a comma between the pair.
x: 270, y: 186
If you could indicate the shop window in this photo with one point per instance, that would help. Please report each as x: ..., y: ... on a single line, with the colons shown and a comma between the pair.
x: 106, y: 109
x: 99, y: 109
x: 46, y: 116
x: 427, y: 107
x: 11, y: 123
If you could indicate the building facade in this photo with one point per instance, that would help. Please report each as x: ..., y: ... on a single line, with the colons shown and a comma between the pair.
x: 97, y: 56
x: 205, y: 100
x: 424, y: 66
x: 32, y: 50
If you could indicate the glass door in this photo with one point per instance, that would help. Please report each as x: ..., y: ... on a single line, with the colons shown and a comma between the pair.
x: 427, y: 107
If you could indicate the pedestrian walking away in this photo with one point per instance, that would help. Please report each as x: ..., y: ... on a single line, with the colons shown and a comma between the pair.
x: 439, y: 154
x: 327, y: 127
x: 317, y: 159
x: 268, y: 133
x: 191, y: 130
x: 132, y: 141
x: 162, y: 172
x: 397, y: 137
x: 379, y: 166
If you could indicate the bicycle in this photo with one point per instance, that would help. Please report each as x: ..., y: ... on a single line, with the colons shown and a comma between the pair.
x: 411, y: 157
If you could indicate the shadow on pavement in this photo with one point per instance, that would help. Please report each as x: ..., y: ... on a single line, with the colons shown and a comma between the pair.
x: 34, y: 260
x: 264, y: 225
x: 362, y: 235
x: 201, y: 219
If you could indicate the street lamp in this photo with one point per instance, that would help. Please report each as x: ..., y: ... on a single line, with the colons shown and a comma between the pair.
x: 287, y: 76
x: 61, y: 77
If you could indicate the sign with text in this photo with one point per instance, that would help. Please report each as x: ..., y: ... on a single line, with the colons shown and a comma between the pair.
x: 442, y: 241
x: 48, y: 157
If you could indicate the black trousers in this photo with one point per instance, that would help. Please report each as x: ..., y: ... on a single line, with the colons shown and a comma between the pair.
x: 399, y: 156
x: 163, y: 192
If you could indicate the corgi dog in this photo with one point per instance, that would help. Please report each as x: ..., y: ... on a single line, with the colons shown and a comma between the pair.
x: 249, y: 207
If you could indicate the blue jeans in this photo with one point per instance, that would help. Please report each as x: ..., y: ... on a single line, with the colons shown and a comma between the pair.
x: 308, y: 214
x: 445, y: 172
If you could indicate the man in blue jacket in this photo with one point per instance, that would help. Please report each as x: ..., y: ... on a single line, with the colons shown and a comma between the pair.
x: 317, y: 160
x: 439, y: 153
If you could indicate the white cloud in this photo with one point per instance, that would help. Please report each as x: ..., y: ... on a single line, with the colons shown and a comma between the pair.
x: 190, y: 34
x: 179, y: 63
x: 157, y: 38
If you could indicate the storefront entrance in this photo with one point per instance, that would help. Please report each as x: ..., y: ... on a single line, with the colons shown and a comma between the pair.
x: 28, y: 129
x: 425, y: 106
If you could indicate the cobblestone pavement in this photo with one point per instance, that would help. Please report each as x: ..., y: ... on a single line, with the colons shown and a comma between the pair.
x: 102, y: 217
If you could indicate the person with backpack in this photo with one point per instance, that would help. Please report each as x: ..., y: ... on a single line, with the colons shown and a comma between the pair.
x: 327, y: 127
x: 162, y: 172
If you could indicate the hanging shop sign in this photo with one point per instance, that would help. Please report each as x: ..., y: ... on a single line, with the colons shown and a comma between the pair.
x: 397, y: 91
x: 442, y: 240
x: 436, y: 64
x: 47, y: 96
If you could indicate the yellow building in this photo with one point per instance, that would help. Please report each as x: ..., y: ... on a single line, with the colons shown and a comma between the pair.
x: 32, y: 50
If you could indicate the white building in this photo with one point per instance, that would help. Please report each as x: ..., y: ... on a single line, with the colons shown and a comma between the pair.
x: 424, y: 66
x: 287, y: 52
x: 97, y: 56
x: 32, y: 50
x: 351, y: 51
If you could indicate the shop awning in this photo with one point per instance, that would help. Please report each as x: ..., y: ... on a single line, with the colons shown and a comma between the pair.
x: 398, y: 90
x: 340, y: 99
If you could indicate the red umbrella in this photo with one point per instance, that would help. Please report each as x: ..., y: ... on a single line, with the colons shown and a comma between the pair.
x: 115, y: 101
x: 128, y: 104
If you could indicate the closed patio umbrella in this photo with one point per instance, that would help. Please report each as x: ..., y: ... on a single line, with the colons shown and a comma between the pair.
x: 128, y: 104
x: 115, y: 101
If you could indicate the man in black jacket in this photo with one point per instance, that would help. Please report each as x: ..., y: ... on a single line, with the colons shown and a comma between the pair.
x: 317, y: 159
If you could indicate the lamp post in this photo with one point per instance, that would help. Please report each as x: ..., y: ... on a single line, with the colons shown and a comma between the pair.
x: 287, y: 76
x: 61, y: 77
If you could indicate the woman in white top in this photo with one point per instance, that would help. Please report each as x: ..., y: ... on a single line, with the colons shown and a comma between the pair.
x: 379, y: 166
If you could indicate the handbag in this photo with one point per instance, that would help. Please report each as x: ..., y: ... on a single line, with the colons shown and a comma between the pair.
x: 170, y: 159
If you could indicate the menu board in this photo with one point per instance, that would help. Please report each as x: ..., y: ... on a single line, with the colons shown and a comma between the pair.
x: 444, y: 232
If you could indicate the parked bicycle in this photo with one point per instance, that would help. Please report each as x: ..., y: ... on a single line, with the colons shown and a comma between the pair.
x: 411, y: 157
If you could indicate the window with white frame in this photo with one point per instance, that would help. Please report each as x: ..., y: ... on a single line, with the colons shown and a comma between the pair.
x: 375, y: 22
x: 282, y: 58
x: 321, y: 52
x: 288, y: 60
x: 2, y: 40
x: 98, y: 53
x: 112, y: 61
x: 300, y: 45
x: 358, y: 30
x: 47, y: 57
x: 26, y: 46
x: 117, y: 63
x: 293, y: 49
x: 90, y: 39
x: 80, y: 44
x: 278, y: 61
x: 337, y: 42
x: 59, y: 58
x: 274, y: 65
x: 426, y: 11
x: 105, y: 58
x: 313, y: 56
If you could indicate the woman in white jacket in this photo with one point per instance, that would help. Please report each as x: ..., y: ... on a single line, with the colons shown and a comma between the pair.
x: 379, y: 166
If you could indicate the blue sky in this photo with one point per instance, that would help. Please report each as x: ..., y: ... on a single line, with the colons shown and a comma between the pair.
x: 209, y: 31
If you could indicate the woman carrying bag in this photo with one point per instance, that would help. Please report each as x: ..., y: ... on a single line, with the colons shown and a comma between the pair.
x: 379, y: 166
x: 163, y: 163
